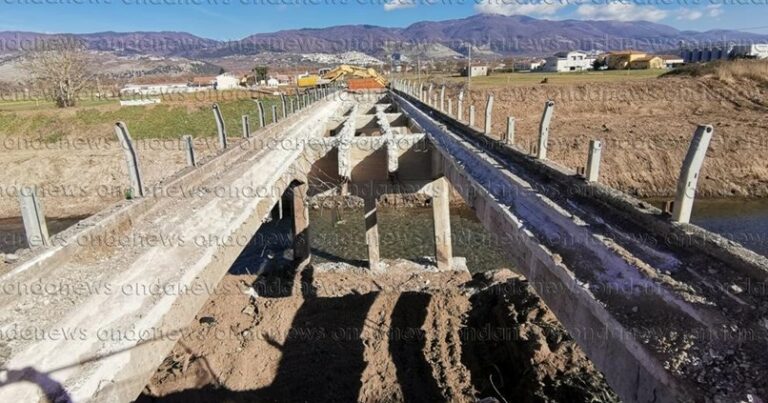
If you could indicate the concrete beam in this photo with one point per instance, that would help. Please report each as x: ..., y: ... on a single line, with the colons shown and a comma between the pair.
x: 371, y: 232
x: 510, y: 138
x: 689, y: 174
x: 220, y: 128
x: 345, y: 137
x: 123, y: 336
x: 593, y: 160
x: 260, y: 107
x: 131, y: 159
x: 546, y: 118
x: 246, y: 126
x: 35, y: 227
x: 511, y: 208
x: 442, y: 98
x: 488, y: 115
x: 189, y: 150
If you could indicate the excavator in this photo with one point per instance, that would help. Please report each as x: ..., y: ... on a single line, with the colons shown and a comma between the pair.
x: 355, y: 77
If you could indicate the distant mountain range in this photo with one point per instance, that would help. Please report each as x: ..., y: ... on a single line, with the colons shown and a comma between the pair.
x: 490, y: 34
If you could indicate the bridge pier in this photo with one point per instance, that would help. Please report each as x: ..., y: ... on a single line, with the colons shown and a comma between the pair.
x: 301, y: 245
x: 441, y: 216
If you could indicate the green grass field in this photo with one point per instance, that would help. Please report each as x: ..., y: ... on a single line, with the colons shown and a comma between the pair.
x: 500, y: 80
x: 174, y: 117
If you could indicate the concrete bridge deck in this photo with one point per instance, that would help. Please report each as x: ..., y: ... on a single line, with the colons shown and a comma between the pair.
x: 650, y: 302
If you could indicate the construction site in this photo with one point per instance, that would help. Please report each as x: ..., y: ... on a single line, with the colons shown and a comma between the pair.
x: 371, y: 240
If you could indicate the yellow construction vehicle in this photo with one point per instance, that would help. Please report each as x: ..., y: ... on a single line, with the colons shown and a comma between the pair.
x: 356, y: 77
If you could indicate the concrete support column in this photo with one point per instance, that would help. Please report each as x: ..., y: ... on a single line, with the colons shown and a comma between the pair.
x: 284, y: 104
x: 371, y: 232
x: 441, y: 214
x: 471, y: 115
x: 442, y: 98
x: 510, y: 138
x: 293, y: 106
x: 429, y: 92
x: 434, y: 101
x: 421, y: 92
x: 189, y: 149
x: 460, y: 107
x: 220, y: 126
x: 260, y: 106
x: 546, y: 118
x: 689, y: 174
x: 301, y: 243
x: 450, y: 107
x: 35, y: 227
x: 488, y: 115
x: 274, y: 113
x: 593, y: 160
x: 246, y: 127
x: 131, y: 158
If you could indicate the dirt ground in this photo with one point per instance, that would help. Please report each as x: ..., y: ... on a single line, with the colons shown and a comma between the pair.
x: 646, y: 126
x: 80, y: 177
x: 407, y: 333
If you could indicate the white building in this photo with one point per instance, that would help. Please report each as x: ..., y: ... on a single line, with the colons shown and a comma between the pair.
x: 754, y: 51
x: 569, y: 61
x: 227, y: 81
x: 476, y: 71
x: 273, y: 82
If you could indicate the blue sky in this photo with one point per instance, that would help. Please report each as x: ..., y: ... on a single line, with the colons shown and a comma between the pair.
x: 234, y: 19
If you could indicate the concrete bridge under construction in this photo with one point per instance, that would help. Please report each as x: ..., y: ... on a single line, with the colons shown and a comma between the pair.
x: 641, y: 290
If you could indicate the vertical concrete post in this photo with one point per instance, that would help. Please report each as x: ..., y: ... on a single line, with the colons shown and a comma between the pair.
x: 260, y: 105
x: 434, y: 101
x: 298, y: 99
x: 471, y: 115
x: 371, y: 231
x: 546, y: 118
x: 488, y: 115
x: 274, y: 113
x: 689, y: 174
x: 421, y: 92
x: 246, y: 127
x: 429, y: 92
x: 593, y: 160
x: 450, y: 107
x: 284, y: 104
x: 301, y: 241
x: 132, y: 159
x: 35, y: 227
x: 306, y: 99
x: 220, y: 126
x: 441, y: 215
x: 442, y: 98
x: 510, y: 139
x: 460, y: 106
x: 189, y: 149
x: 293, y: 106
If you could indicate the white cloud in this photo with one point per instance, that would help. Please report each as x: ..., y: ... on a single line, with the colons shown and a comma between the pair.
x: 398, y: 4
x: 621, y: 12
x: 689, y: 14
x: 520, y: 7
x: 715, y: 10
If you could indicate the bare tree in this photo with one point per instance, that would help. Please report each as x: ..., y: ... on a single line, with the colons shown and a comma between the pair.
x: 61, y: 71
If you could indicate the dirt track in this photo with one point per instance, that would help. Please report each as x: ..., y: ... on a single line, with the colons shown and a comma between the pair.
x: 404, y: 334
